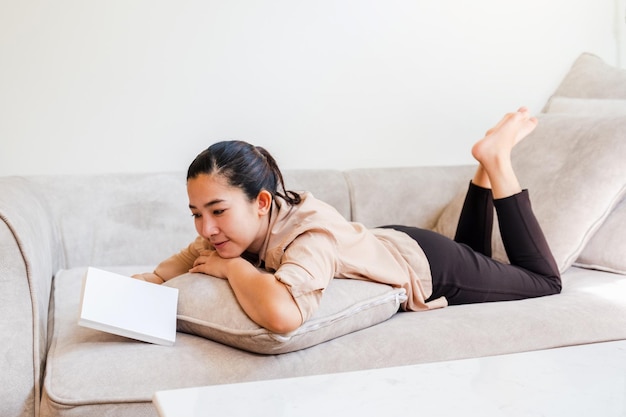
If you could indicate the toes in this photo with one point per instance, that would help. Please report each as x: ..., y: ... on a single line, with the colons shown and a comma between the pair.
x: 502, y: 121
x: 518, y: 118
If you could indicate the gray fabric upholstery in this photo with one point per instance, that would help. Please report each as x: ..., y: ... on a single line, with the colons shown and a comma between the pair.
x: 594, y: 88
x: 586, y: 106
x: 109, y: 374
x: 327, y: 185
x: 105, y: 212
x: 605, y: 250
x: 16, y: 378
x: 410, y: 196
x: 591, y: 77
x: 207, y: 307
x: 28, y: 261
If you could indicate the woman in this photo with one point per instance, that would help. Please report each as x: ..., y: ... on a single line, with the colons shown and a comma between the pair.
x: 279, y: 249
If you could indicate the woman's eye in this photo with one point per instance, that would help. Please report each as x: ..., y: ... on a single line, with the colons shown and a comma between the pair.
x: 218, y: 212
x: 195, y: 215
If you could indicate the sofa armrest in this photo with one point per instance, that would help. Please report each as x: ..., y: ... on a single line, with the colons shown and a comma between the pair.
x: 28, y: 260
x: 412, y: 196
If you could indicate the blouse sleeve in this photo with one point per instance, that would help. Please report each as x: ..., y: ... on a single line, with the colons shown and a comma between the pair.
x: 181, y: 262
x: 306, y: 268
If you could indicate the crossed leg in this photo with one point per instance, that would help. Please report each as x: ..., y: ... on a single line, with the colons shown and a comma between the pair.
x: 462, y: 269
x: 533, y: 270
x: 493, y: 152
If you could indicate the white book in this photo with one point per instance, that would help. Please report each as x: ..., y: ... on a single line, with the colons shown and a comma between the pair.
x: 128, y: 307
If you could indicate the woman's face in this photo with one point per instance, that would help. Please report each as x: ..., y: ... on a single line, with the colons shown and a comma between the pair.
x: 225, y: 216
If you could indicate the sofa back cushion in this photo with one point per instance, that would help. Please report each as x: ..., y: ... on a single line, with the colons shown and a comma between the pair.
x: 141, y: 219
x: 119, y: 219
x: 411, y: 196
x: 327, y: 185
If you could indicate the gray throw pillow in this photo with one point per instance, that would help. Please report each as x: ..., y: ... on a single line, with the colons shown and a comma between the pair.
x: 605, y: 250
x: 594, y: 88
x: 591, y: 77
x: 586, y: 106
x: 207, y: 307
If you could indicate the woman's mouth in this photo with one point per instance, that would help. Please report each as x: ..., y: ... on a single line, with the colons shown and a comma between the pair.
x: 219, y: 245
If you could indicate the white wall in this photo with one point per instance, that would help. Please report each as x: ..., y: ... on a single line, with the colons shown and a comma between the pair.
x: 144, y: 85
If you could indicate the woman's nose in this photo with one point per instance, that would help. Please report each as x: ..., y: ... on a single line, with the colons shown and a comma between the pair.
x: 209, y: 228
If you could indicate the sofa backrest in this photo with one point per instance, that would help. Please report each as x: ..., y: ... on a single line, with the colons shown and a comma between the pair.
x: 327, y: 185
x: 412, y: 196
x: 118, y: 219
x: 141, y: 219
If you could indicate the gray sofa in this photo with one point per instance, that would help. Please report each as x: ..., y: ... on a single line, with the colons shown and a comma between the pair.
x: 53, y: 227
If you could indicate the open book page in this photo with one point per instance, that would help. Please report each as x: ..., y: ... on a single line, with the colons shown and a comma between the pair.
x: 128, y: 307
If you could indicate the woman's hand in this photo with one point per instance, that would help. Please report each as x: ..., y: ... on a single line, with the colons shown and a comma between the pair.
x: 149, y: 277
x: 210, y: 263
x: 265, y: 300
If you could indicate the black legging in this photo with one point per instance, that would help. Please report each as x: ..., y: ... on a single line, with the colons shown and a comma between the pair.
x: 463, y: 270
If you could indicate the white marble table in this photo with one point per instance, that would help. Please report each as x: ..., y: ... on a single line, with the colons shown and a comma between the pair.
x: 587, y: 380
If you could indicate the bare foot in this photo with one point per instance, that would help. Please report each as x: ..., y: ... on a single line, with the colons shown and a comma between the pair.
x: 500, y: 139
x: 493, y: 152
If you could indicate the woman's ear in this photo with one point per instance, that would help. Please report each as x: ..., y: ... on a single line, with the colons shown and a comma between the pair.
x: 264, y: 201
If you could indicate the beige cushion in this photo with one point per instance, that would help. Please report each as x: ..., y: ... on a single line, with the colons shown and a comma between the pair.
x: 591, y: 77
x: 592, y: 87
x: 207, y: 307
x: 586, y: 106
x: 606, y: 251
x: 574, y: 169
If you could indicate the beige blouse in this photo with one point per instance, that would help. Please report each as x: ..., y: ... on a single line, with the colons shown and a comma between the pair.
x: 309, y: 244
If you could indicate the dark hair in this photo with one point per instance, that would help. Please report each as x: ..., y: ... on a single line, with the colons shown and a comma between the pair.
x: 245, y: 166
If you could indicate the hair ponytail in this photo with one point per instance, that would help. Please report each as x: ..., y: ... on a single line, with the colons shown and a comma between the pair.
x: 290, y: 197
x: 250, y: 168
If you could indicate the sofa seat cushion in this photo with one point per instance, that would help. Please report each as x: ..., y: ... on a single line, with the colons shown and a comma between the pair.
x: 94, y: 373
x: 207, y: 307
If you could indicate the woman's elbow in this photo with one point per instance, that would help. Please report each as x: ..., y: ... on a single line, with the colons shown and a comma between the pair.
x: 283, y: 320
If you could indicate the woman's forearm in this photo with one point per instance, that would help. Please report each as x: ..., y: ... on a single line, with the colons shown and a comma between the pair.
x: 266, y: 300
